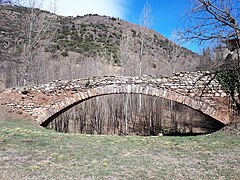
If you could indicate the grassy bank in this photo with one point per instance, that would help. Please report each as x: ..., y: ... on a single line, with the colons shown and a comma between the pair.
x: 31, y: 152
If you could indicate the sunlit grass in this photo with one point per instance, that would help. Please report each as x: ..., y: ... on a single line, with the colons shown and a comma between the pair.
x: 43, y: 154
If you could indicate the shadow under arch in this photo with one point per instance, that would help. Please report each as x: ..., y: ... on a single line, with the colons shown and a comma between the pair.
x: 67, y: 103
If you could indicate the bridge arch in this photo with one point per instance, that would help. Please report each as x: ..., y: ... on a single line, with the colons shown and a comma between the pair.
x: 48, y: 115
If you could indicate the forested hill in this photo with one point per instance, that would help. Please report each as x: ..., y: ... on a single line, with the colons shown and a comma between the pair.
x: 37, y: 46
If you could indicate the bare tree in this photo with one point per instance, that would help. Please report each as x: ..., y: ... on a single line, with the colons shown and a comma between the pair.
x: 212, y: 20
x: 218, y: 22
x: 34, y: 29
x: 174, y: 61
x: 125, y: 61
x: 34, y: 20
x: 206, y: 60
x: 145, y: 21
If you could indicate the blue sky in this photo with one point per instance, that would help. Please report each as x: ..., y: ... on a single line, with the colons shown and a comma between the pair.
x: 166, y: 13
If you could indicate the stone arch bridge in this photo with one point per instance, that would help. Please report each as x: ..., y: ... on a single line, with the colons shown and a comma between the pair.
x: 197, y: 90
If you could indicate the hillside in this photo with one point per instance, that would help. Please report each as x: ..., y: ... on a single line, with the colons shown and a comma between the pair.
x: 38, y: 46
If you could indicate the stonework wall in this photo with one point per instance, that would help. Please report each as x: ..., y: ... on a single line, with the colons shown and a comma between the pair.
x: 194, y: 89
x: 191, y: 83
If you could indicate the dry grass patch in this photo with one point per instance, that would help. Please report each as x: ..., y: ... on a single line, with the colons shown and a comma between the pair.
x: 31, y: 152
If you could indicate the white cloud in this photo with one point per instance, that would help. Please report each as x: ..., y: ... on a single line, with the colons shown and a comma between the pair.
x: 116, y: 8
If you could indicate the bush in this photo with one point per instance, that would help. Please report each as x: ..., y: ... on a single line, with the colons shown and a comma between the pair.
x: 113, y: 19
x: 64, y: 54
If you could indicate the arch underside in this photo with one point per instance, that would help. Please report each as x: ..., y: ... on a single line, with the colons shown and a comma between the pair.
x: 69, y: 102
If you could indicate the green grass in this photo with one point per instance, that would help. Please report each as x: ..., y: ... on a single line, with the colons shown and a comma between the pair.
x: 31, y: 152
